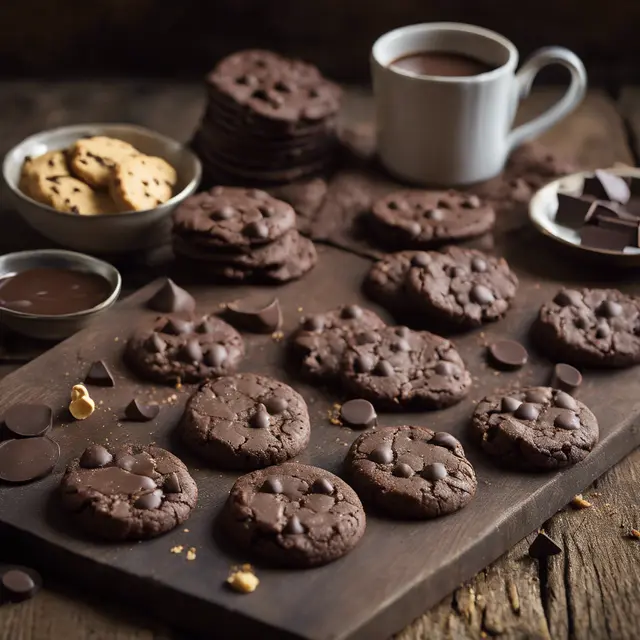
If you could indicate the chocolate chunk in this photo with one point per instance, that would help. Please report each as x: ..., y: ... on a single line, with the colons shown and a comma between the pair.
x: 352, y: 312
x: 223, y: 213
x: 149, y: 501
x: 322, y: 485
x: 509, y: 405
x: 256, y: 229
x: 609, y: 309
x: 266, y: 318
x: 566, y: 377
x: 216, y: 355
x: 364, y: 363
x: 294, y: 526
x: 191, y: 352
x: 567, y: 420
x: 527, y: 411
x: 272, y: 485
x: 401, y: 346
x: 359, y: 414
x: 314, y: 323
x: 435, y: 214
x: 170, y: 298
x: 99, y: 375
x: 177, y: 326
x: 384, y: 368
x: 156, y: 344
x: 508, y: 354
x: 543, y: 547
x: 445, y: 368
x: 95, y: 456
x: 481, y: 294
x: 446, y: 440
x: 141, y: 412
x: 18, y: 585
x: 275, y: 405
x: 420, y: 260
x: 603, y: 331
x: 479, y: 265
x: 572, y: 212
x: 28, y: 420
x: 382, y: 454
x: 565, y: 401
x: 172, y: 483
x: 261, y: 418
x: 606, y: 186
x: 596, y: 237
x: 204, y: 326
x: 567, y: 297
x: 434, y: 472
x: 27, y: 459
x: 402, y: 470
x: 403, y: 332
x: 538, y: 395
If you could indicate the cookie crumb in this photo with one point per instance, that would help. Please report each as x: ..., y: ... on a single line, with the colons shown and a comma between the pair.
x: 578, y: 502
x: 191, y: 553
x: 333, y: 415
x: 186, y: 530
x: 116, y: 339
x: 634, y: 533
x: 300, y: 309
x: 243, y: 580
x: 178, y: 384
x: 177, y: 549
x: 277, y: 336
x: 81, y: 405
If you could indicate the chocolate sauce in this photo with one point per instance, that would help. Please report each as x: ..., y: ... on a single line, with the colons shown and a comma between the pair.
x: 441, y: 63
x: 52, y: 291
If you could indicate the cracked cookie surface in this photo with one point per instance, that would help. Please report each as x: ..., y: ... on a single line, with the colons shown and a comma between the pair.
x: 539, y: 428
x: 411, y: 472
x: 246, y: 422
x: 92, y: 159
x: 294, y: 515
x: 129, y: 492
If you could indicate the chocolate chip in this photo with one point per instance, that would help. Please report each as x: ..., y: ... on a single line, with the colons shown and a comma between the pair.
x: 446, y: 440
x: 170, y: 298
x: 265, y: 318
x: 267, y: 210
x: 401, y: 346
x: 384, y: 368
x: 609, y: 309
x: 472, y: 202
x: 582, y: 322
x: 172, y: 483
x: 256, y: 229
x: 434, y: 214
x: 141, y: 412
x: 606, y: 186
x: 94, y: 457
x: 414, y: 229
x: 99, y: 375
x: 543, y: 547
x: 509, y: 404
x: 434, y: 472
x: 322, y: 485
x: 537, y: 395
x: 457, y: 272
x: 568, y: 297
x: 28, y: 420
x: 508, y: 354
x: 149, y: 501
x: 421, y: 260
x: 204, y: 326
x: 363, y: 363
x: 314, y: 323
x: 402, y: 470
x: 603, y: 331
x: 566, y: 377
x: 567, y: 420
x: 351, y: 312
x: 156, y: 344
x: 223, y: 213
x: 261, y: 418
x: 18, y: 586
x: 294, y: 526
x: 26, y: 459
x: 403, y: 332
x: 527, y: 411
x: 191, y: 352
x: 565, y: 401
x: 282, y: 86
x: 359, y: 413
x: 382, y: 454
x: 479, y: 265
x: 260, y: 94
x: 481, y: 294
x: 445, y: 369
x: 216, y: 356
x: 177, y: 326
x: 272, y: 485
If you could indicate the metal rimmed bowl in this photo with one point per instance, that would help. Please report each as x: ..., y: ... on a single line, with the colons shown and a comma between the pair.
x: 112, y: 232
x: 56, y: 327
x: 543, y: 208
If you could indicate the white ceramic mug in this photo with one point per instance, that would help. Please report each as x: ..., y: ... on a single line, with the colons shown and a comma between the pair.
x: 443, y: 130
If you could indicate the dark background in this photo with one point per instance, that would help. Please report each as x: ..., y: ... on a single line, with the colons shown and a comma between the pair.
x: 184, y: 38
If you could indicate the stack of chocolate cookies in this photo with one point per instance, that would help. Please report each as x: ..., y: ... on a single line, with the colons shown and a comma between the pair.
x: 241, y: 235
x: 269, y: 120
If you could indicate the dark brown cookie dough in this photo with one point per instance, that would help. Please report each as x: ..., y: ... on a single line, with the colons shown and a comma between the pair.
x: 321, y: 339
x: 245, y: 422
x: 590, y: 328
x: 416, y: 219
x: 128, y: 493
x: 400, y: 369
x: 411, y: 472
x: 461, y: 288
x: 178, y: 348
x: 294, y: 515
x: 535, y: 429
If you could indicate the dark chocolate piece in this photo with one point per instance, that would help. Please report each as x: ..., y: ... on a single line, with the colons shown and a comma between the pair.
x: 265, y: 318
x: 434, y: 472
x: 446, y: 440
x: 527, y: 411
x: 27, y: 459
x: 566, y: 377
x: 172, y: 484
x: 606, y: 186
x: 18, y: 584
x: 28, y: 420
x: 170, y: 298
x: 572, y: 212
x: 382, y: 454
x: 141, y: 412
x: 94, y: 457
x: 149, y: 501
x: 508, y: 354
x: 324, y: 486
x: 99, y: 375
x: 543, y: 547
x: 359, y: 414
x: 597, y: 237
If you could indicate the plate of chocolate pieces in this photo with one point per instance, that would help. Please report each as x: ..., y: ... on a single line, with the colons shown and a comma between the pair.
x: 597, y: 212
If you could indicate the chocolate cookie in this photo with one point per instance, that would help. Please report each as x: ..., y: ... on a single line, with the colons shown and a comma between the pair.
x: 535, y: 429
x: 411, y: 472
x: 177, y: 348
x: 294, y: 515
x: 590, y: 328
x: 400, y: 369
x: 233, y: 217
x: 415, y: 219
x: 128, y: 493
x: 245, y: 422
x: 321, y: 339
x: 461, y: 288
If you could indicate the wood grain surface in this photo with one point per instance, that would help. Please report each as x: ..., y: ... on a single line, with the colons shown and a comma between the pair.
x: 590, y: 591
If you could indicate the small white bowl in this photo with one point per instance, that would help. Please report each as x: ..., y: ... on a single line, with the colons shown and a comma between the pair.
x: 56, y: 327
x: 544, y: 205
x: 112, y: 232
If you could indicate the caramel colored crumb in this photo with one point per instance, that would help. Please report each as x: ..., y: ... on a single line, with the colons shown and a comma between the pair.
x: 242, y: 579
x: 578, y: 502
x: 191, y: 553
x: 177, y: 549
x: 634, y: 533
x: 178, y: 384
x: 277, y: 336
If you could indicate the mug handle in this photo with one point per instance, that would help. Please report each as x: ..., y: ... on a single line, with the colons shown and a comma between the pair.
x: 569, y: 101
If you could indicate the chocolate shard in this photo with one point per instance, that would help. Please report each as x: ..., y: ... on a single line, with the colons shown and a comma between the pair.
x: 254, y: 318
x: 610, y: 239
x: 99, y: 375
x: 606, y: 186
x: 170, y: 298
x: 543, y: 547
x: 140, y: 412
x: 572, y: 212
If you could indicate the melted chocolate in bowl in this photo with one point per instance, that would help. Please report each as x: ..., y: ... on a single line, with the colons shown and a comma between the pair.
x: 52, y: 291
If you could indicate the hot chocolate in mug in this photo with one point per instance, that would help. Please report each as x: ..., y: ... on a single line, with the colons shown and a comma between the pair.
x: 446, y: 98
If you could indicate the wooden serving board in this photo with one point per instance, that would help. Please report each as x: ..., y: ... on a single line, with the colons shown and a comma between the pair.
x: 397, y: 571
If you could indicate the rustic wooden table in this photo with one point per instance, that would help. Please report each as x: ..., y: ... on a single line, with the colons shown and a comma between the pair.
x: 590, y: 591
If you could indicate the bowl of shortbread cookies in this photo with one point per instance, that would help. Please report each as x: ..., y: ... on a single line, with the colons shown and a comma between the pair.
x: 101, y: 188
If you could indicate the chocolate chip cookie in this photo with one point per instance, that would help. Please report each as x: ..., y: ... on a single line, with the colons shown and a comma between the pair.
x: 461, y: 288
x: 535, y: 429
x: 179, y: 349
x: 245, y: 421
x: 128, y: 493
x: 590, y: 328
x: 399, y: 369
x: 70, y: 195
x: 416, y: 219
x: 320, y: 341
x: 52, y: 164
x: 411, y: 472
x: 294, y: 515
x: 92, y: 159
